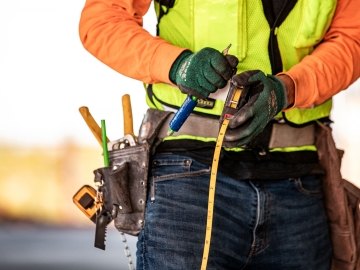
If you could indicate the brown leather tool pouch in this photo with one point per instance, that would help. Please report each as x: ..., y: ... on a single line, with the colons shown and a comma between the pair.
x: 131, y: 219
x: 122, y: 186
x: 342, y: 204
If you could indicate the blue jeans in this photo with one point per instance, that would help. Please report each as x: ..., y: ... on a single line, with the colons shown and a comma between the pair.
x: 258, y: 225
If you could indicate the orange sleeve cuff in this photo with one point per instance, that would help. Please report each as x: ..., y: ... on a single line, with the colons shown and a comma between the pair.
x: 304, y: 94
x: 162, y: 61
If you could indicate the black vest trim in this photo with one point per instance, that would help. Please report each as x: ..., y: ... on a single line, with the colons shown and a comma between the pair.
x: 274, y: 21
x: 164, y: 7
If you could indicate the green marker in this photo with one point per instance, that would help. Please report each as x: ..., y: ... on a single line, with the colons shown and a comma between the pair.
x: 104, y: 144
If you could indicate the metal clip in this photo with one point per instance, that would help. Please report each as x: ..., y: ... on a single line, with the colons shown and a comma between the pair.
x: 126, y: 141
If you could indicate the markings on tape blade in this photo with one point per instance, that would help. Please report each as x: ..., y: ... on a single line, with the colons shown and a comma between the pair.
x: 212, y: 185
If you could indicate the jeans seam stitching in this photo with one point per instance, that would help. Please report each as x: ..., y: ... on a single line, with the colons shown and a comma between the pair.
x: 179, y: 175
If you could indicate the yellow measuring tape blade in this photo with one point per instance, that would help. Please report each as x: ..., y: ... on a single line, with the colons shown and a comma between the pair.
x: 213, y: 174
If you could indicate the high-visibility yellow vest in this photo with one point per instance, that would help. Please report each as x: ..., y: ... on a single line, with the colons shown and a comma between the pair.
x: 196, y: 24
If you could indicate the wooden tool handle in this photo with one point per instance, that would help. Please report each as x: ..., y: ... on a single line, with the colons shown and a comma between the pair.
x: 91, y: 123
x: 127, y: 115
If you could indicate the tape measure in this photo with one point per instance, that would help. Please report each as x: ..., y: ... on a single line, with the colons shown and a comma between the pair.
x: 234, y: 99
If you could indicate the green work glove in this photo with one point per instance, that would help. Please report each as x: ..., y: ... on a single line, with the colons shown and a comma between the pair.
x: 199, y: 74
x: 265, y: 98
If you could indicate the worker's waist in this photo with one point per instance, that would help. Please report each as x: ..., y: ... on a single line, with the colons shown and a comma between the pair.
x: 276, y: 135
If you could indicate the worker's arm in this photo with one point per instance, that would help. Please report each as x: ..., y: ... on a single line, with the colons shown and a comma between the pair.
x: 112, y: 31
x: 334, y: 64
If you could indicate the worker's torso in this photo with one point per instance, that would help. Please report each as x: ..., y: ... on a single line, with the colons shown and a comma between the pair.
x: 272, y: 41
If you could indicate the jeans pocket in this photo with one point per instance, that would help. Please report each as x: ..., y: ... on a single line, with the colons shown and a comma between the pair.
x: 309, y: 185
x: 163, y: 169
x: 169, y: 168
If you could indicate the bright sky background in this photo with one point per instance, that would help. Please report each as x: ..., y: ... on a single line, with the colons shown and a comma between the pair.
x: 46, y: 75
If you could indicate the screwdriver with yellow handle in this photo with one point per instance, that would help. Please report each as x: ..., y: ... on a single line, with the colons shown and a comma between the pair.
x: 127, y: 115
x: 186, y: 108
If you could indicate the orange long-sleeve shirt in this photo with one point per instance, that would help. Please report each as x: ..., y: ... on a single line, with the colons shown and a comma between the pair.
x: 112, y: 31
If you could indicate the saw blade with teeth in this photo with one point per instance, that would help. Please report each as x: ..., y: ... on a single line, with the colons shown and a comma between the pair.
x: 102, y: 220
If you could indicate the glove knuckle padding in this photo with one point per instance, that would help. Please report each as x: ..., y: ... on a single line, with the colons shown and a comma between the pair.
x: 257, y: 76
x: 242, y: 79
x: 232, y: 60
x: 227, y: 73
x: 214, y: 78
x: 207, y: 86
x: 221, y: 65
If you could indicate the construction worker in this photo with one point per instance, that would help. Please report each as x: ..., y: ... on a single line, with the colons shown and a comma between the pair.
x: 293, y: 56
